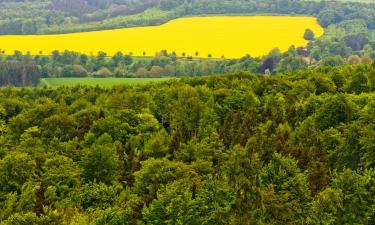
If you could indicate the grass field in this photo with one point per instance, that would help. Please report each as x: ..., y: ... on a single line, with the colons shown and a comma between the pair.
x: 361, y: 1
x: 103, y: 82
x: 229, y: 36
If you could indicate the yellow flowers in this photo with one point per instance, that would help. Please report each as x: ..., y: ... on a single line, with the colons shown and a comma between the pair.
x: 216, y: 36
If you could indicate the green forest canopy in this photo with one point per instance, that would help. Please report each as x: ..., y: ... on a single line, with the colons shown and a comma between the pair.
x: 296, y: 148
x: 293, y: 148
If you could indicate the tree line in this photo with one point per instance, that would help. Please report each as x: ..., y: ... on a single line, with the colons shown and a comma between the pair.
x: 19, y: 74
x: 295, y: 148
x: 320, y: 52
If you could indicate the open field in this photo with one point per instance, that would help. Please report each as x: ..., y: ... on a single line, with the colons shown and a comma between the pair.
x: 103, y: 82
x: 362, y: 1
x: 229, y: 36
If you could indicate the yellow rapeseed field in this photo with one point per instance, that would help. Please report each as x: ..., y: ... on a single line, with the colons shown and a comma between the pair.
x: 229, y: 36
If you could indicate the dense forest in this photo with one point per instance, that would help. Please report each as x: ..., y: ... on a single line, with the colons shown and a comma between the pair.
x: 295, y: 148
x: 286, y: 138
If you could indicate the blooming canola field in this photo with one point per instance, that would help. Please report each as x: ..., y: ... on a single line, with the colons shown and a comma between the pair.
x: 217, y: 36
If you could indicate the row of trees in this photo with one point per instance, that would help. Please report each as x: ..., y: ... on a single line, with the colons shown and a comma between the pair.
x: 296, y: 148
x: 73, y: 64
x: 19, y: 74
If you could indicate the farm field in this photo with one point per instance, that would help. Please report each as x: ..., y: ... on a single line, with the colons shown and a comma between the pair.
x: 103, y: 82
x: 217, y: 36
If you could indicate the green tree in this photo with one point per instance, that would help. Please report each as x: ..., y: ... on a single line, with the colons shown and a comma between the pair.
x: 62, y: 173
x: 156, y: 71
x: 347, y: 202
x: 16, y: 168
x: 354, y: 59
x: 74, y: 71
x: 358, y: 83
x: 156, y: 173
x: 101, y: 161
x: 309, y: 35
x: 285, y: 193
x: 187, y: 202
x: 96, y: 195
x: 244, y: 169
x: 103, y: 73
x: 334, y: 110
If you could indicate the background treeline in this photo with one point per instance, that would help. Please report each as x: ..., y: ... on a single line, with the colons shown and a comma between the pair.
x: 349, y: 35
x: 19, y: 74
x: 296, y: 148
x: 62, y: 16
x: 72, y: 64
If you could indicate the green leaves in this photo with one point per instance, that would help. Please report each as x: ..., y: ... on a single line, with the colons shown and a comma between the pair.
x: 16, y: 168
x: 62, y: 173
x: 155, y: 173
x: 183, y: 202
x: 335, y: 110
x: 101, y: 161
x: 285, y: 192
x: 237, y: 149
x: 348, y: 201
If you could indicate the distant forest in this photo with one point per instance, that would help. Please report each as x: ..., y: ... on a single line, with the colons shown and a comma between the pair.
x: 61, y: 16
x: 25, y: 70
x: 297, y: 148
x: 349, y: 36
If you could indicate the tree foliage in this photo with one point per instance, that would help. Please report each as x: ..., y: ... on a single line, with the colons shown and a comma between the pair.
x: 294, y: 148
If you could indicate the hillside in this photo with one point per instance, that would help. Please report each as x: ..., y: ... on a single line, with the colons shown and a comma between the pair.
x: 349, y: 37
x: 187, y: 112
x: 248, y: 35
x: 62, y: 16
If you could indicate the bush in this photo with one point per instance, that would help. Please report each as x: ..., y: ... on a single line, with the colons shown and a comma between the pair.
x: 102, y: 73
x: 74, y: 71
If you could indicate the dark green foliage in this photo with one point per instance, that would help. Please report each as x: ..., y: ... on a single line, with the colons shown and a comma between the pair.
x: 294, y: 148
x: 100, y: 162
x: 334, y: 111
x: 286, y: 192
x: 309, y: 35
x: 19, y: 74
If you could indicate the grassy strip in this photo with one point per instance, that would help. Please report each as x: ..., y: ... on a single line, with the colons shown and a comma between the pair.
x: 103, y: 82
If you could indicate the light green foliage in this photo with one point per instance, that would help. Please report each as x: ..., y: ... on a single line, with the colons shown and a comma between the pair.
x: 184, y: 202
x: 16, y: 168
x: 96, y: 195
x: 347, y: 202
x: 62, y: 173
x: 156, y: 173
x: 30, y: 218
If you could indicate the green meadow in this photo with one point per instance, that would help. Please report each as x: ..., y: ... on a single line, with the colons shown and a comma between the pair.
x: 103, y: 82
